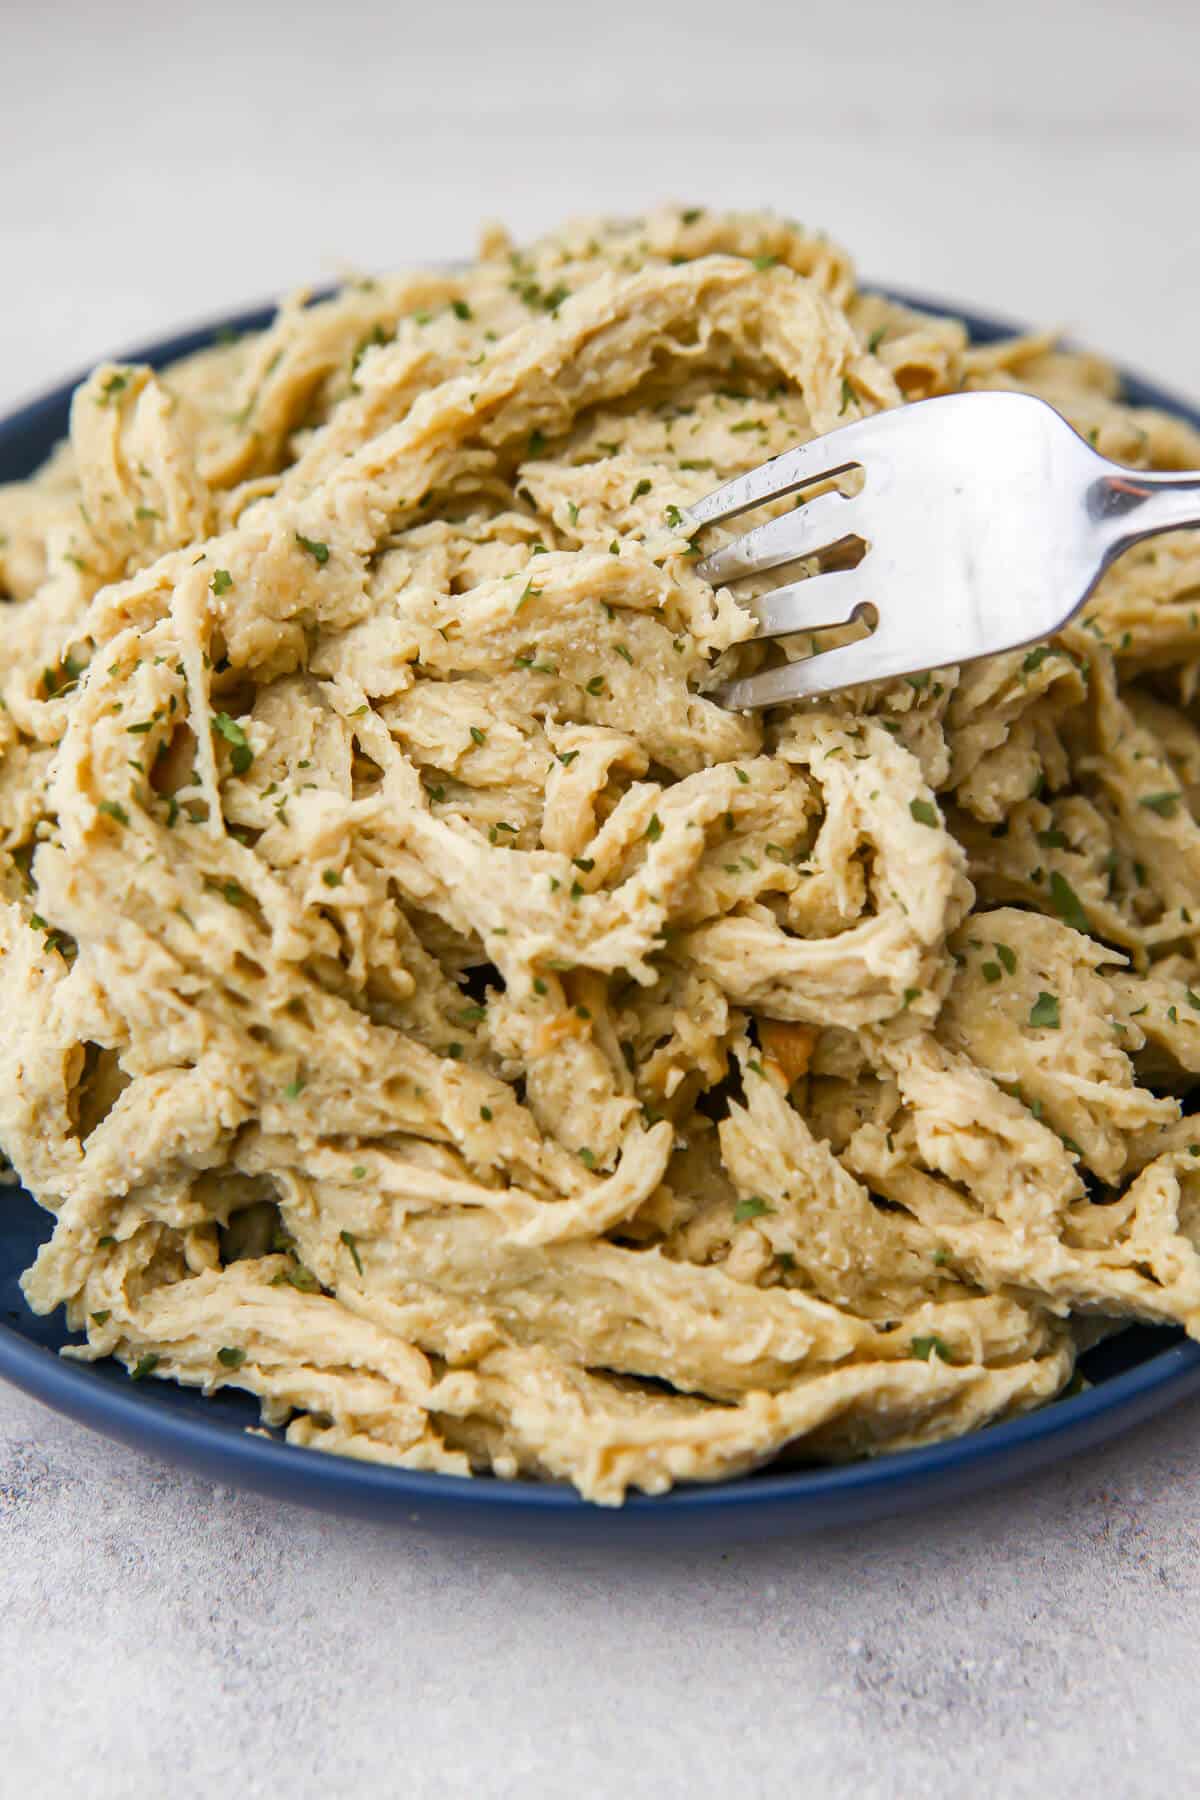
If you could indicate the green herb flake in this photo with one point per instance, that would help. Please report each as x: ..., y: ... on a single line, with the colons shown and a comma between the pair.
x: 316, y: 549
x: 146, y: 1365
x: 1044, y: 1013
x: 595, y: 685
x: 1035, y: 659
x: 112, y: 809
x: 102, y: 1317
x: 460, y: 310
x: 1066, y: 903
x: 923, y: 1348
x: 358, y: 1171
x: 347, y: 1238
x: 114, y: 385
x: 923, y: 812
x: 295, y: 1087
x: 639, y: 488
x: 477, y: 735
x: 331, y: 877
x: 230, y: 1357
x: 221, y: 581
x: 991, y: 971
x: 753, y: 1208
x: 587, y: 1157
x: 654, y: 828
x: 485, y: 1113
x: 1162, y: 804
x: 1007, y: 957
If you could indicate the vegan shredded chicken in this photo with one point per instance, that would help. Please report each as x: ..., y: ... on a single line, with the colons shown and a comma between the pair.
x: 424, y: 1008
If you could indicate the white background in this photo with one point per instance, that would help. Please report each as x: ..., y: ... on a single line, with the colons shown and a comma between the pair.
x: 162, y: 1638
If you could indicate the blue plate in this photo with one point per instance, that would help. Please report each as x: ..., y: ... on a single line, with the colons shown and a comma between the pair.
x: 1135, y: 1375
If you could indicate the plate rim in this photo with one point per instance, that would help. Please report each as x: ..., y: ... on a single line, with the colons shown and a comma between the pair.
x: 805, y: 1499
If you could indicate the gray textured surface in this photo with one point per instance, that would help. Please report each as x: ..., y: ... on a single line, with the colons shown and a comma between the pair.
x: 162, y: 1638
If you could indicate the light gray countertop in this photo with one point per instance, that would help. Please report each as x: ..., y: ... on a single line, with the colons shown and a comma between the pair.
x: 160, y: 1637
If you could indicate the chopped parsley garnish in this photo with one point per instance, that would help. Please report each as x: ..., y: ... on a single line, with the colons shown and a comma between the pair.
x: 241, y: 755
x: 146, y: 1365
x: 477, y: 735
x: 221, y: 581
x: 587, y: 1157
x: 654, y: 828
x: 358, y: 1171
x: 112, y: 809
x: 1162, y: 804
x: 102, y: 1317
x: 923, y: 812
x: 295, y: 1087
x: 116, y: 384
x: 461, y: 311
x: 595, y: 685
x: 876, y: 338
x: 1007, y: 956
x: 316, y: 549
x: 347, y: 1238
x: 848, y: 394
x: 674, y: 517
x: 641, y: 487
x: 331, y: 877
x: 1066, y: 903
x: 1044, y: 1012
x: 485, y: 1113
x: 1035, y: 659
x: 991, y: 971
x: 231, y: 1357
x: 753, y: 1208
x: 923, y: 1348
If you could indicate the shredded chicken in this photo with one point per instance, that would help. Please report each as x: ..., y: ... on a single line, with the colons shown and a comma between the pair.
x: 427, y: 1009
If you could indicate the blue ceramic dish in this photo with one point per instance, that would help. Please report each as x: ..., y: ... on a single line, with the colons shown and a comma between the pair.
x: 1135, y: 1375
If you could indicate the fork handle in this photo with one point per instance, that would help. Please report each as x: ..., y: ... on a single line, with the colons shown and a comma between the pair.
x: 1130, y: 504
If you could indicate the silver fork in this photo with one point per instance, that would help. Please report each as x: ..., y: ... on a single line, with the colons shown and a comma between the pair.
x: 987, y: 521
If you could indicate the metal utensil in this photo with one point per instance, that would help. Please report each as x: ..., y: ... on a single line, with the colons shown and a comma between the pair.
x: 987, y: 522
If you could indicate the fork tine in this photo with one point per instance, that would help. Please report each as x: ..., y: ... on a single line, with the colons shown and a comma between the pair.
x: 824, y: 673
x: 818, y: 461
x: 817, y: 526
x: 809, y: 605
